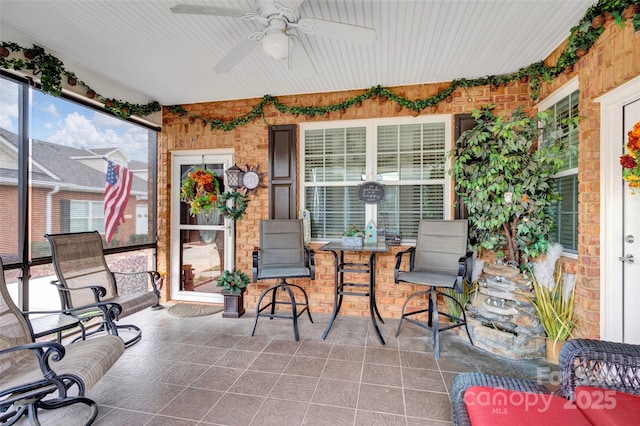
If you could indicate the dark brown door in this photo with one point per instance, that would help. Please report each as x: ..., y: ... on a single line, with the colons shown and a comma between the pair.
x: 282, y: 172
x: 463, y: 122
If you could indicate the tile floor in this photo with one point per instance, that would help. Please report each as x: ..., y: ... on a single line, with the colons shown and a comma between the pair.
x: 210, y: 371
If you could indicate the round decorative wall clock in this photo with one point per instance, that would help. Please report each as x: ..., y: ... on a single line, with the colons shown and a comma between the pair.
x: 252, y: 179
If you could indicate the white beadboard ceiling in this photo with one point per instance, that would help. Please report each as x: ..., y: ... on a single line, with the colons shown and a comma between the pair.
x: 153, y: 54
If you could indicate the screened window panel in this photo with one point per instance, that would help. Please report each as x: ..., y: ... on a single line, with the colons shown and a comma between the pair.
x: 387, y: 139
x: 407, y: 157
x: 334, y: 140
x: 335, y: 155
x: 9, y: 172
x: 410, y: 166
x: 78, y: 216
x: 434, y: 162
x: 389, y: 167
x: 334, y: 209
x: 314, y: 145
x: 565, y: 213
x: 565, y: 109
x: 405, y: 205
x: 411, y: 152
x: 86, y: 216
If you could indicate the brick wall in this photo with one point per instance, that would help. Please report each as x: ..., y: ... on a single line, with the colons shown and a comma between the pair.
x: 613, y: 60
x: 250, y: 143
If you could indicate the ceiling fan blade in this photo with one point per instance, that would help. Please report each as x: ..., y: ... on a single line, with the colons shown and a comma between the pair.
x: 192, y: 9
x: 301, y: 62
x: 232, y: 58
x: 339, y: 30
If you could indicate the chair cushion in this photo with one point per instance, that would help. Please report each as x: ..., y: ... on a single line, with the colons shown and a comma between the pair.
x: 134, y: 302
x: 428, y: 278
x: 279, y: 271
x: 87, y: 359
x: 440, y: 244
x: 608, y: 407
x: 502, y: 407
x: 281, y: 243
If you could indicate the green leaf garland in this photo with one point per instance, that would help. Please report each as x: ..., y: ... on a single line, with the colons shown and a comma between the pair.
x: 582, y: 38
x: 239, y: 208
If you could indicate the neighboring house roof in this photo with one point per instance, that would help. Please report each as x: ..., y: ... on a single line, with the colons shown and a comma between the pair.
x: 138, y: 165
x: 55, y: 165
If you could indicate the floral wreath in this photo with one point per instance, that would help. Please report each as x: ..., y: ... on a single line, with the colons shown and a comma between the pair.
x: 201, y: 190
x: 239, y: 208
x: 629, y: 161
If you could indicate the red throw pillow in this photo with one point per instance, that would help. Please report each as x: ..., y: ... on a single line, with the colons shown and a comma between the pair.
x: 502, y: 407
x: 608, y: 408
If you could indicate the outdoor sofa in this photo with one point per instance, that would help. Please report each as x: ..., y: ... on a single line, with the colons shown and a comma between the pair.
x: 600, y: 385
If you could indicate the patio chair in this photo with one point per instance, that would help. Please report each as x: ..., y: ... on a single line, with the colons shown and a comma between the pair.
x: 439, y: 260
x: 282, y: 254
x: 31, y: 371
x: 83, y: 278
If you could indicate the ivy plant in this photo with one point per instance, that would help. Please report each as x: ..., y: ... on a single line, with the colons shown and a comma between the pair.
x: 505, y: 180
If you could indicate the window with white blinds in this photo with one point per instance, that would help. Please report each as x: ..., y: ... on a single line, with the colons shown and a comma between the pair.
x: 564, y: 105
x: 86, y: 216
x: 407, y: 156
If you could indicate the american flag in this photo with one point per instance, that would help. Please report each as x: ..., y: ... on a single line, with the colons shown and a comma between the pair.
x: 116, y: 195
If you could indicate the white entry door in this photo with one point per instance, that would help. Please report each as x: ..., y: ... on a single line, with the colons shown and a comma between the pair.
x: 631, y: 244
x: 619, y: 223
x: 202, y: 246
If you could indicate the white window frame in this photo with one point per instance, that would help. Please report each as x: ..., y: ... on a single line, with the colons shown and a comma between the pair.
x: 566, y: 90
x: 371, y: 132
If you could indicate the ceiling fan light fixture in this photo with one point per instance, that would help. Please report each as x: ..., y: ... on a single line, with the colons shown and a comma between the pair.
x: 276, y: 44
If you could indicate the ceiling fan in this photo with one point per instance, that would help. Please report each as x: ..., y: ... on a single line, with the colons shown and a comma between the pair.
x: 278, y: 19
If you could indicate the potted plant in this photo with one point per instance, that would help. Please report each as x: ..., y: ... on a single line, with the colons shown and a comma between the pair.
x: 553, y: 302
x: 233, y: 285
x: 506, y: 181
x: 353, y: 237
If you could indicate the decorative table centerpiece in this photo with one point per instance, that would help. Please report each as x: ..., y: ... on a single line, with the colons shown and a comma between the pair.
x: 353, y: 237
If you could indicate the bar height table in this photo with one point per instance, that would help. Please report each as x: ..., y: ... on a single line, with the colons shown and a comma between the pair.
x: 343, y: 288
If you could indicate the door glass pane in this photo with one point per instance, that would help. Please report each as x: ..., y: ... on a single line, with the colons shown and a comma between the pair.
x: 202, y: 246
x: 218, y: 169
x: 202, y: 260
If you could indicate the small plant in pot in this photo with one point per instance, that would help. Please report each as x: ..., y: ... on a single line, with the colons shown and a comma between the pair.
x: 553, y: 302
x: 353, y: 237
x: 233, y: 284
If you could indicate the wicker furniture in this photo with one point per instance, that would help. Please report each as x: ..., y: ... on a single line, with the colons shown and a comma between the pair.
x: 282, y: 254
x: 593, y: 363
x: 31, y: 371
x: 439, y: 260
x: 84, y: 278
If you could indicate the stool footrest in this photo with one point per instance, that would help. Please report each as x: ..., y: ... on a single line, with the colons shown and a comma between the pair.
x: 293, y: 314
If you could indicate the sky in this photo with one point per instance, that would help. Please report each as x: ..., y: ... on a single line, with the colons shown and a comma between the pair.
x: 63, y: 122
